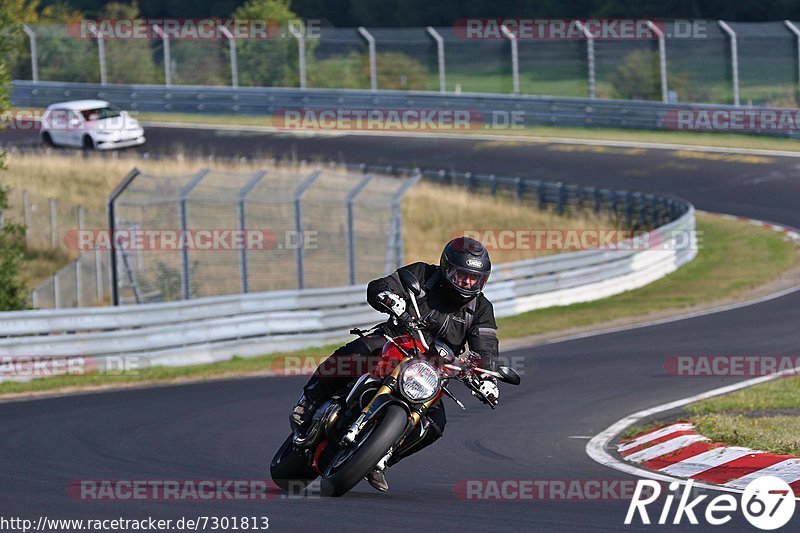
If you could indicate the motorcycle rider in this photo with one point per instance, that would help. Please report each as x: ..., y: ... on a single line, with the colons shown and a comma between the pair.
x: 454, y: 310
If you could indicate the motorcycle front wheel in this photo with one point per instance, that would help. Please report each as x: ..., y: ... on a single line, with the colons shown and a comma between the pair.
x: 352, y: 464
x: 289, y: 469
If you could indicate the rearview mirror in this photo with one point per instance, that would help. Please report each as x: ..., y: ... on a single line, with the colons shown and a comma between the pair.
x: 508, y: 375
x: 410, y: 282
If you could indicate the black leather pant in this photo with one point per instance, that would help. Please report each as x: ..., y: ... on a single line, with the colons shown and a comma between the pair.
x: 349, y: 362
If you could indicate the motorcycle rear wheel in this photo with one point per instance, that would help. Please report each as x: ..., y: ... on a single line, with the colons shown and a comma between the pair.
x: 289, y: 469
x: 338, y: 480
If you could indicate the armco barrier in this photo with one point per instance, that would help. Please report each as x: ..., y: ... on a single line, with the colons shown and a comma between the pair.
x: 217, y: 328
x: 531, y: 110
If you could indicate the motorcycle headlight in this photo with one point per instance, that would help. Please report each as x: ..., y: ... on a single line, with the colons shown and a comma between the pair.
x: 419, y: 382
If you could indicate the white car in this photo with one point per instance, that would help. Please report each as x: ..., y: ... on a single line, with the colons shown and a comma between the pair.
x: 89, y: 124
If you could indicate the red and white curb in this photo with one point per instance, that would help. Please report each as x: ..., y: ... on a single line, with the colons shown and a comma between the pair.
x: 790, y: 233
x: 678, y: 450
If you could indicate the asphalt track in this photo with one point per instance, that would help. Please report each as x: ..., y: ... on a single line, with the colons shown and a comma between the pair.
x: 230, y: 429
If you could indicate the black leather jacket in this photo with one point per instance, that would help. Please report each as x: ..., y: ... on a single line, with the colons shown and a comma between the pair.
x: 453, y: 321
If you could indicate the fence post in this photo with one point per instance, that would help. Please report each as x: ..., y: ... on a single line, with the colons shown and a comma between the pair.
x: 56, y: 291
x: 98, y: 275
x: 351, y: 251
x: 589, y: 57
x: 440, y: 54
x: 662, y: 59
x: 734, y: 59
x: 796, y: 32
x: 78, y: 283
x: 112, y: 223
x: 514, y: 57
x: 396, y: 215
x: 240, y: 211
x: 26, y: 214
x: 53, y: 224
x: 518, y: 187
x: 301, y: 47
x: 298, y: 223
x: 373, y: 67
x: 234, y: 60
x: 34, y: 54
x: 101, y: 54
x: 184, y: 194
x: 167, y: 55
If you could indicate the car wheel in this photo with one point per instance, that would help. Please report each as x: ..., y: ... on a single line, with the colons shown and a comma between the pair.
x: 47, y: 140
x: 88, y: 143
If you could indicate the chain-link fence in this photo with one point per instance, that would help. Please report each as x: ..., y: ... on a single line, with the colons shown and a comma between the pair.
x: 218, y: 232
x: 747, y: 63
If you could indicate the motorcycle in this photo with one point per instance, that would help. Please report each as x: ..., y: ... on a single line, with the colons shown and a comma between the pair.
x: 361, y: 426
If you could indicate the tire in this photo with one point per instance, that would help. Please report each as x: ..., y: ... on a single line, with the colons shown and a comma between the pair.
x: 88, y: 143
x: 369, y: 452
x: 290, y: 470
x: 47, y: 140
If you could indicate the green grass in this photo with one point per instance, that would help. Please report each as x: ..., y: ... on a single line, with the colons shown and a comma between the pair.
x: 733, y: 258
x: 723, y: 268
x: 762, y: 417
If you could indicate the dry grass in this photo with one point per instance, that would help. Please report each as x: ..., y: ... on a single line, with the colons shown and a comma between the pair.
x: 432, y: 214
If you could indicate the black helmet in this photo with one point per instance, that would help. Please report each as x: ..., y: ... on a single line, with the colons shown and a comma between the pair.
x: 465, y: 267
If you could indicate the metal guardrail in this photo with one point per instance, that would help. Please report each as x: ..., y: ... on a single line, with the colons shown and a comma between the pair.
x: 492, y: 108
x: 217, y: 328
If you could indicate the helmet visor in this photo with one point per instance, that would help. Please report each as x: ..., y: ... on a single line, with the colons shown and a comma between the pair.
x: 466, y: 280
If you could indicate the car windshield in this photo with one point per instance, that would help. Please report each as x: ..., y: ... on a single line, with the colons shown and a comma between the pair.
x: 100, y: 113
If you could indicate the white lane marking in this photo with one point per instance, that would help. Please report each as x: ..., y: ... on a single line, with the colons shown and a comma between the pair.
x: 653, y: 435
x: 788, y: 470
x: 664, y: 448
x: 707, y: 460
x: 597, y: 448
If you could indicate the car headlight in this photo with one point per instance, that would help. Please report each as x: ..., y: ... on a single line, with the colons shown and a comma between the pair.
x: 419, y: 381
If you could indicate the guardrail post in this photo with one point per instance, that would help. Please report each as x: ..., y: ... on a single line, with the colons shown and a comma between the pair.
x: 440, y: 55
x: 518, y: 188
x: 34, y: 54
x: 629, y: 208
x: 540, y: 195
x: 734, y: 59
x: 514, y: 57
x: 662, y: 59
x: 493, y: 184
x: 796, y: 33
x: 373, y: 67
x: 470, y: 181
x: 589, y: 58
x: 240, y: 212
x: 167, y: 55
x: 232, y: 49
x: 112, y: 224
x: 301, y: 47
x: 561, y: 194
x: 596, y: 201
x: 184, y: 194
x: 298, y: 223
x: 351, y: 251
